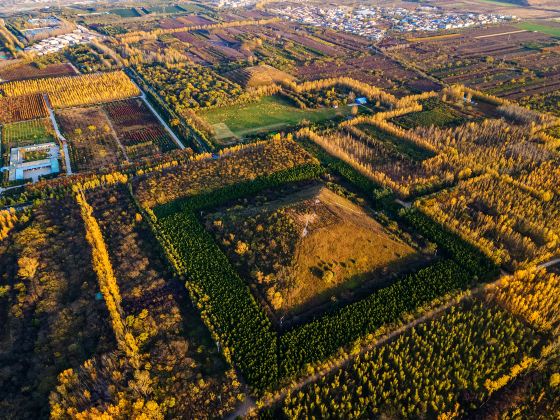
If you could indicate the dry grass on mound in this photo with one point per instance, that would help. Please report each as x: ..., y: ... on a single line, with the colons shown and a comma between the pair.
x: 302, y: 247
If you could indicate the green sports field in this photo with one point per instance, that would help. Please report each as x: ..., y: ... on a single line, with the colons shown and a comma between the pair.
x: 268, y: 114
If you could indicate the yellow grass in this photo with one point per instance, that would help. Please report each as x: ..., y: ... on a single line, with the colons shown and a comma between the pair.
x: 349, y: 239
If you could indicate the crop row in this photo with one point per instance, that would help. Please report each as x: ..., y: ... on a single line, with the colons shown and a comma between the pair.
x: 76, y: 90
x: 21, y: 108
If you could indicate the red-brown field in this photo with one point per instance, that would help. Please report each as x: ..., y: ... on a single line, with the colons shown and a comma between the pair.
x: 376, y: 70
x: 30, y: 71
x: 503, y: 60
x: 21, y: 108
x: 137, y: 129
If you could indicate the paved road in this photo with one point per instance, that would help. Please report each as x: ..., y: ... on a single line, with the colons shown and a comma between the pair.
x: 549, y: 263
x: 60, y: 136
x: 9, y: 188
x: 405, y: 204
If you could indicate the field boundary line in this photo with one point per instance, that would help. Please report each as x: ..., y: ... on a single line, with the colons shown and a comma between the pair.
x: 117, y: 139
x: 160, y: 119
x: 501, y: 33
x: 59, y: 135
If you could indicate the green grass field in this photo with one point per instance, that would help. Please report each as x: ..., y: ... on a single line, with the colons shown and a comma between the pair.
x: 125, y: 13
x: 28, y: 132
x: 165, y: 9
x: 405, y: 147
x: 435, y: 112
x: 269, y: 114
x: 552, y: 30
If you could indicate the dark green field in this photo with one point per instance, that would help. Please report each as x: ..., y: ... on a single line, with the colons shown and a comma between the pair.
x: 435, y: 112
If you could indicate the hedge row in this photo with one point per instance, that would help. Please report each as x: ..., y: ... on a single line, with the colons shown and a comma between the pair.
x: 223, y: 298
x: 236, y: 319
x: 322, y: 337
x: 461, y: 251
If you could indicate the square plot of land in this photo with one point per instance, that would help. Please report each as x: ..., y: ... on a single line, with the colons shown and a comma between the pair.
x: 300, y: 247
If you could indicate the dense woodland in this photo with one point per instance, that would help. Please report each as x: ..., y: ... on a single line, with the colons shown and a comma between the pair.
x: 51, y: 318
x: 152, y: 283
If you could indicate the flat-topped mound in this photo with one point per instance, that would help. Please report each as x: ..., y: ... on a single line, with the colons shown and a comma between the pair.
x: 255, y: 76
x: 300, y: 248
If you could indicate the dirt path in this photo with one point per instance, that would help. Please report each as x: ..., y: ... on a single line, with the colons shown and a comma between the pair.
x: 501, y: 34
x: 59, y: 135
x: 116, y: 137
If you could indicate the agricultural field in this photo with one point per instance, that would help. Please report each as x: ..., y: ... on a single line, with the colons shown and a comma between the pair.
x: 138, y: 130
x: 25, y: 71
x: 301, y: 246
x: 112, y: 134
x: 21, y: 108
x: 270, y: 113
x: 76, y: 90
x: 434, y: 112
x: 126, y: 13
x: 376, y: 70
x: 91, y: 139
x: 505, y: 60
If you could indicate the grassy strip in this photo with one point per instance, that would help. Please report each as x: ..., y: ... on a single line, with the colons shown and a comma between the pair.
x: 545, y: 29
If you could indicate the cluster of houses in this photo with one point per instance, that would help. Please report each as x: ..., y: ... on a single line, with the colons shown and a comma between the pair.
x: 427, y: 18
x: 374, y: 22
x: 233, y: 3
x: 53, y: 44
